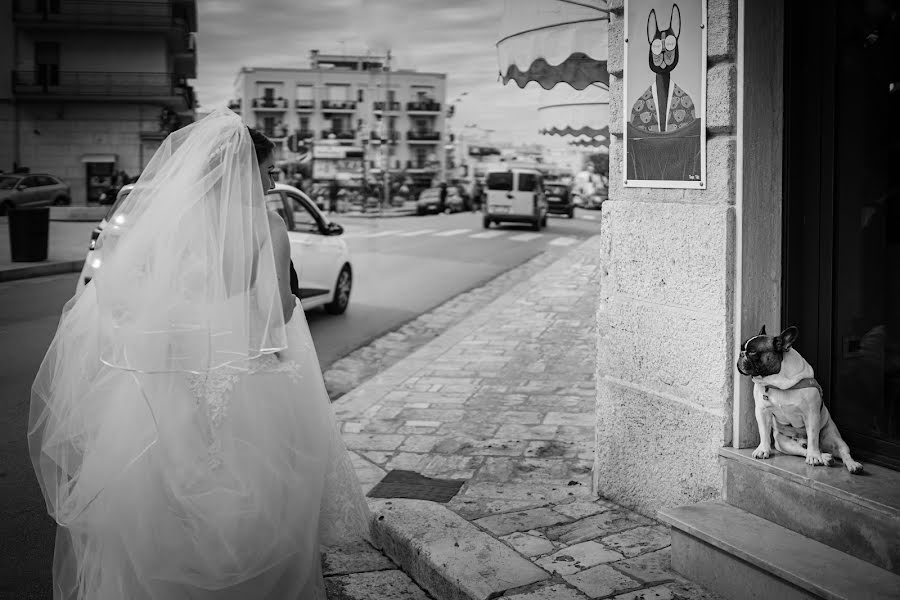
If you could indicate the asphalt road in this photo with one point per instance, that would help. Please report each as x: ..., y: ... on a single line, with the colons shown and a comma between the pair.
x: 403, y: 268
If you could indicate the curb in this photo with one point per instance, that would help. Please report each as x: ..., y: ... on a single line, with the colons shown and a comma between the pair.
x: 446, y: 555
x: 41, y: 270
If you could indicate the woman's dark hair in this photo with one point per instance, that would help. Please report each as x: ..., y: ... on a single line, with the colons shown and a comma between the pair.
x: 261, y: 144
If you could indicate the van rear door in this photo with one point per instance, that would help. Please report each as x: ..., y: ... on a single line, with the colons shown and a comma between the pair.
x: 499, y: 187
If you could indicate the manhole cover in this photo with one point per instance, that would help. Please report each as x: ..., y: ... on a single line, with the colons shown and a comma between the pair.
x: 409, y: 484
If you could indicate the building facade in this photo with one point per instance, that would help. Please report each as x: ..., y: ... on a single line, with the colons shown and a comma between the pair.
x: 92, y: 88
x: 799, y: 224
x: 346, y: 96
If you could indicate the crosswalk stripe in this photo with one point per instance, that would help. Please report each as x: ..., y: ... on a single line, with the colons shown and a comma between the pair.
x: 452, y: 232
x: 384, y: 233
x: 589, y: 217
x: 415, y: 233
x: 486, y: 235
x: 562, y: 241
x: 526, y: 237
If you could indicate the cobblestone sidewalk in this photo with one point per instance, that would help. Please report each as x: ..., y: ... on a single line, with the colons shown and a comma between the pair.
x: 360, y: 365
x: 505, y: 400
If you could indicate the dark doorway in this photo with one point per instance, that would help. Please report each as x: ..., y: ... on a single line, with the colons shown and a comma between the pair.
x: 842, y: 211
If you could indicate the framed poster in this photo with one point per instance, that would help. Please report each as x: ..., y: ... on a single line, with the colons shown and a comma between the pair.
x: 664, y: 108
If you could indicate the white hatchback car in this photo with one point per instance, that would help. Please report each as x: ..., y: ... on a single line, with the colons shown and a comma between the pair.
x: 321, y: 258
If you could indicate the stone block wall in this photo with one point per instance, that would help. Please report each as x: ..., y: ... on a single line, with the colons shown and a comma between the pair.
x: 665, y: 315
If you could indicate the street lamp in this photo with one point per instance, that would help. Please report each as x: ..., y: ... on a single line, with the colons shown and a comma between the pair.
x: 451, y: 111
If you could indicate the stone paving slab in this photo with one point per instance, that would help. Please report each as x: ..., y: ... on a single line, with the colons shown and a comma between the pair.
x: 504, y: 398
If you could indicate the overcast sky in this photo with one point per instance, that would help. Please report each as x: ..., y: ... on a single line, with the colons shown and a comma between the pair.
x: 455, y: 37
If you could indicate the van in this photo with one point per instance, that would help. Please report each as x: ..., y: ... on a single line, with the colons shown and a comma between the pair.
x: 515, y: 195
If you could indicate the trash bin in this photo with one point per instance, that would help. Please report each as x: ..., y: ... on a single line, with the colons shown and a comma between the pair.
x: 28, y: 234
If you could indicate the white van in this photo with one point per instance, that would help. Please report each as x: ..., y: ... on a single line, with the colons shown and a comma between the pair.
x: 515, y: 195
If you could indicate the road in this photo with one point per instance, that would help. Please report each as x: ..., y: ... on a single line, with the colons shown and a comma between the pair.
x: 403, y: 268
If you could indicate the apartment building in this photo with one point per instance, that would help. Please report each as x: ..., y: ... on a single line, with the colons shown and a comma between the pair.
x: 92, y: 87
x: 356, y: 99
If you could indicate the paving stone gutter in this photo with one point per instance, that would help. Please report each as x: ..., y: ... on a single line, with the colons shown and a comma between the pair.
x: 504, y: 400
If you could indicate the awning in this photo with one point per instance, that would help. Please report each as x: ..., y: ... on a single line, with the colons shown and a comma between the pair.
x: 568, y: 112
x: 98, y: 158
x: 553, y: 41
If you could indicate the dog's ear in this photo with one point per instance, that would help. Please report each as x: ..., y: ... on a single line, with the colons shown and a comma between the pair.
x: 787, y: 338
x: 762, y: 331
x: 653, y: 29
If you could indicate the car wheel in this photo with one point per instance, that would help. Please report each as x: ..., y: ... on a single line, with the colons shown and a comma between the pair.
x: 544, y: 221
x: 486, y: 221
x: 4, y: 208
x: 536, y: 224
x: 341, y: 292
x: 571, y: 212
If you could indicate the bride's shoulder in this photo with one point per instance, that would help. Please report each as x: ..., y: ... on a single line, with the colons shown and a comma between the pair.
x: 276, y: 223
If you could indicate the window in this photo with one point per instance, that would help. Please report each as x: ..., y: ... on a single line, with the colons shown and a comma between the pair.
x: 304, y: 219
x: 30, y: 182
x: 500, y: 181
x: 338, y: 93
x: 392, y: 96
x: 304, y: 123
x: 269, y: 126
x: 422, y: 125
x: 46, y: 60
x: 528, y: 182
x: 304, y: 92
x: 45, y: 180
x: 421, y: 157
x: 360, y: 96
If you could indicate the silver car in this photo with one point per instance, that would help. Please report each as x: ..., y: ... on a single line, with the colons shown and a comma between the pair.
x: 19, y: 190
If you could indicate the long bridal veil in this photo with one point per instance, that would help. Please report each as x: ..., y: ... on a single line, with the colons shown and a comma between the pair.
x: 180, y: 430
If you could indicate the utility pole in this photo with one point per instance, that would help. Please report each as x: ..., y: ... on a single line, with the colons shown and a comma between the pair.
x: 387, y: 142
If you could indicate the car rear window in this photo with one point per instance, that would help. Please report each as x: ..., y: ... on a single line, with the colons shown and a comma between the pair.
x: 500, y: 181
x: 527, y: 182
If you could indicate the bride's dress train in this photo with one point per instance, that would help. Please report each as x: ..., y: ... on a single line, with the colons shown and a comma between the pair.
x: 200, y: 486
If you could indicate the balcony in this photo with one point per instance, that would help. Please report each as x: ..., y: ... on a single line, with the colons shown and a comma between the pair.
x: 270, y: 104
x: 347, y: 134
x: 305, y: 105
x: 423, y: 106
x: 391, y: 137
x: 392, y: 106
x: 111, y: 14
x: 419, y: 165
x: 423, y: 137
x: 338, y: 105
x: 101, y: 86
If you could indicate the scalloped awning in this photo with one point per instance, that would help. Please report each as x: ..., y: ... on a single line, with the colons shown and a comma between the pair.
x: 553, y: 41
x: 568, y: 112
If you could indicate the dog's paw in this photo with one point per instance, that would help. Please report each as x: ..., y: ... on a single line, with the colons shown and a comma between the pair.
x: 762, y: 452
x: 827, y: 459
x: 853, y: 466
x: 818, y: 459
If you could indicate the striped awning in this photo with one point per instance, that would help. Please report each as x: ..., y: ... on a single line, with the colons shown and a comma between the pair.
x: 554, y: 41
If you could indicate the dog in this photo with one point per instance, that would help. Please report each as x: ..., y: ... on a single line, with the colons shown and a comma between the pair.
x: 789, y: 402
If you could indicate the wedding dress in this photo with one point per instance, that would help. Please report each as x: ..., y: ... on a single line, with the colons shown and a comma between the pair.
x: 180, y: 429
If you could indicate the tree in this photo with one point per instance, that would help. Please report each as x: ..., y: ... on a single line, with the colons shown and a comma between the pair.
x: 600, y: 162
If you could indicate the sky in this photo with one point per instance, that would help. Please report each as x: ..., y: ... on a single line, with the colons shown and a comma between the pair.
x: 456, y: 37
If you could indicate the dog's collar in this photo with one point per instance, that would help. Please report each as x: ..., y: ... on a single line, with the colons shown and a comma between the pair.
x: 806, y: 382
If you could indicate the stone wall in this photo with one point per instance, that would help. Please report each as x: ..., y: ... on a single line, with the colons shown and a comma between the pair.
x: 665, y: 315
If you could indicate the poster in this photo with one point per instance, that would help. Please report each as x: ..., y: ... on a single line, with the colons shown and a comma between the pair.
x: 664, y: 107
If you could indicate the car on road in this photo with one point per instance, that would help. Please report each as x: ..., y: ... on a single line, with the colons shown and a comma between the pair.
x: 559, y: 199
x: 321, y: 258
x: 429, y: 201
x: 515, y: 195
x: 21, y: 190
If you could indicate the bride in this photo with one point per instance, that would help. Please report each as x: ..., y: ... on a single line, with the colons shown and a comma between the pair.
x: 180, y: 428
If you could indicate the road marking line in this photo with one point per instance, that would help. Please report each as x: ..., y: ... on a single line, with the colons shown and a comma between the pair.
x: 415, y: 233
x: 452, y: 232
x: 486, y: 235
x: 383, y: 233
x: 563, y: 241
x: 589, y: 217
x: 526, y: 237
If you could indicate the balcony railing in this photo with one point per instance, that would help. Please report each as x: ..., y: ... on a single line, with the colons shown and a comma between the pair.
x: 338, y: 104
x: 429, y: 136
x: 347, y: 134
x: 391, y: 136
x: 111, y: 12
x: 278, y: 103
x: 104, y: 84
x: 391, y: 106
x: 305, y: 104
x: 424, y: 106
x: 421, y: 165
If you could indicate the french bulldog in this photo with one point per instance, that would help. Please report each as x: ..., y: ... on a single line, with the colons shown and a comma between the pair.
x: 789, y: 402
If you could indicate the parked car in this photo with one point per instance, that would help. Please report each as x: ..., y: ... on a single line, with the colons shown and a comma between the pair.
x: 515, y: 195
x: 559, y: 199
x: 321, y: 258
x: 429, y: 201
x: 19, y: 190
